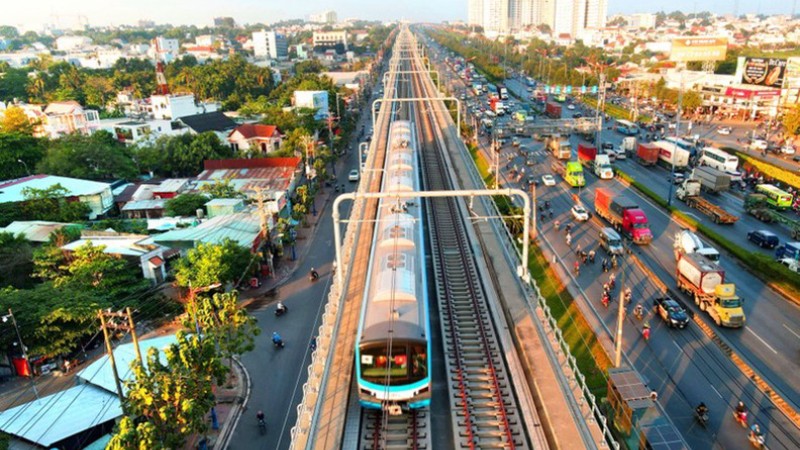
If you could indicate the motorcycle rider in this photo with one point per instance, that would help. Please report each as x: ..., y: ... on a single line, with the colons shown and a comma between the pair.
x: 755, y: 433
x: 260, y: 416
x: 741, y: 412
x: 276, y: 338
x: 638, y: 311
x: 646, y: 331
x: 280, y: 308
x: 702, y: 411
x: 314, y: 275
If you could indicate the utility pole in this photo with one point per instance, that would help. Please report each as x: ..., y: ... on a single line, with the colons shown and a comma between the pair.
x: 620, y: 318
x: 24, y: 350
x: 102, y: 314
x: 265, y: 230
x: 534, y: 232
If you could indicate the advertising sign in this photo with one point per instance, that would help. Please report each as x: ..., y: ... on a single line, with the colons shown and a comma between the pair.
x: 764, y: 71
x: 698, y: 49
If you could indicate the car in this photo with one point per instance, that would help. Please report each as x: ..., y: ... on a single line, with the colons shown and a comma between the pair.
x: 796, y: 158
x: 353, y: 175
x: 758, y: 144
x: 671, y: 312
x: 548, y: 180
x: 763, y: 238
x: 577, y: 115
x: 676, y: 178
x: 788, y: 150
x: 620, y: 153
x: 570, y: 106
x: 724, y: 130
x: 579, y: 213
x: 515, y: 142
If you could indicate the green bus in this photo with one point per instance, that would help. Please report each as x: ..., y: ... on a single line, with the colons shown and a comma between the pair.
x: 776, y: 198
x: 560, y: 98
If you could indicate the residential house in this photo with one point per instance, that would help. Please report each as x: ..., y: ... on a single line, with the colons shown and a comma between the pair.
x: 36, y: 231
x: 212, y: 121
x: 243, y: 228
x: 131, y: 247
x: 61, y: 118
x: 272, y: 179
x: 144, y: 209
x: 172, y: 106
x: 93, y: 193
x: 254, y: 138
x: 222, y: 206
x: 82, y: 413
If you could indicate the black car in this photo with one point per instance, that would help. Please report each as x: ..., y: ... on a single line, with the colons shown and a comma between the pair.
x: 672, y: 312
x: 763, y: 238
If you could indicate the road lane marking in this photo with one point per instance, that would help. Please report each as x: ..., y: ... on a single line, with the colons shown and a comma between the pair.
x: 679, y: 347
x: 791, y: 331
x: 762, y: 340
x: 715, y: 390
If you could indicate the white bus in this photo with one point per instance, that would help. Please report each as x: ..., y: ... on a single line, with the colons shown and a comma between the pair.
x: 719, y: 160
x: 686, y: 145
x: 627, y: 128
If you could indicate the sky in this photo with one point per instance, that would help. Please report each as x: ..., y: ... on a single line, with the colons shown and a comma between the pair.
x: 202, y: 12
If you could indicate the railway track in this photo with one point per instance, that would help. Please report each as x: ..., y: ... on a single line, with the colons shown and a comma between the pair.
x: 484, y: 409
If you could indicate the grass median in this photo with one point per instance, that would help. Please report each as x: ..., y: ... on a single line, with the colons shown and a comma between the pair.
x: 616, y: 111
x: 589, y: 354
x: 762, y: 266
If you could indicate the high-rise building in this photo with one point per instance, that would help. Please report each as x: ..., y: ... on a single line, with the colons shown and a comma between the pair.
x: 572, y: 17
x: 324, y: 17
x: 270, y: 45
x: 563, y: 16
x: 475, y: 12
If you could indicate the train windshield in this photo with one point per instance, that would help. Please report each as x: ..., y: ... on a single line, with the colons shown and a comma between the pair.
x: 407, y: 363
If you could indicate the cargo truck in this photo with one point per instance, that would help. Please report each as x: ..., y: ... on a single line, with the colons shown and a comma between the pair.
x: 704, y: 281
x: 757, y: 206
x: 670, y: 154
x: 572, y: 172
x: 788, y: 250
x: 600, y: 165
x: 711, y: 179
x: 624, y: 214
x: 553, y: 110
x: 687, y: 242
x: 560, y: 147
x: 647, y: 154
x: 629, y: 145
x: 689, y: 192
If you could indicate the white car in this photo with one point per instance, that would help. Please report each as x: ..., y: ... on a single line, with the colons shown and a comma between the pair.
x: 724, y: 130
x: 579, y: 213
x: 787, y: 150
x: 570, y: 106
x: 548, y: 180
x: 353, y: 175
x: 758, y: 144
x: 619, y: 152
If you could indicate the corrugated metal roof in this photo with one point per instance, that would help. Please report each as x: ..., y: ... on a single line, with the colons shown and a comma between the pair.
x: 243, y: 228
x: 114, y: 245
x: 56, y: 417
x: 11, y: 191
x: 35, y: 230
x: 156, y: 203
x: 100, y: 373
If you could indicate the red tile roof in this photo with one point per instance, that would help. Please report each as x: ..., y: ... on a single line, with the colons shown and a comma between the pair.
x: 255, y: 130
x: 214, y: 164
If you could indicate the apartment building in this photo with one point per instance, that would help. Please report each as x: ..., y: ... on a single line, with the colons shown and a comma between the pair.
x: 270, y: 45
x: 324, y: 17
x: 565, y: 17
x: 330, y: 39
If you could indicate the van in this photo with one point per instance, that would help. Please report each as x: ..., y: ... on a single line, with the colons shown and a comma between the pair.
x: 610, y: 241
x: 763, y: 238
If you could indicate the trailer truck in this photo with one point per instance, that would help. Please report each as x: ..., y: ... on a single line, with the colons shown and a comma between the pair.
x: 647, y: 154
x: 572, y: 172
x: 670, y: 154
x: 553, y: 110
x: 711, y: 179
x: 689, y: 192
x: 624, y: 215
x: 600, y: 165
x: 560, y: 147
x: 704, y: 281
x: 687, y: 242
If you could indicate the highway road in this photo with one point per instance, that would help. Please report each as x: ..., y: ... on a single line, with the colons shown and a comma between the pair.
x: 684, y: 366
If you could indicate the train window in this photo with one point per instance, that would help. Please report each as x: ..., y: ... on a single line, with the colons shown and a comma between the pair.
x: 376, y: 364
x: 419, y: 362
x: 397, y: 261
x: 397, y: 232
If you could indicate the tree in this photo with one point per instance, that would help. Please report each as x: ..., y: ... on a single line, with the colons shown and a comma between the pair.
x: 51, y: 204
x: 221, y: 189
x: 14, y: 85
x: 172, y: 398
x: 96, y: 157
x: 16, y: 121
x: 210, y: 264
x: 90, y: 268
x: 791, y: 120
x: 691, y: 101
x: 185, y: 205
x: 231, y: 327
x: 16, y: 147
x: 16, y: 260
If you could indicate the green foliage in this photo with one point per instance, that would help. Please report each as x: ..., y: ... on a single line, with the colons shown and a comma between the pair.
x: 16, y: 260
x: 51, y: 204
x: 134, y: 226
x: 172, y: 398
x: 15, y: 120
x: 95, y: 157
x: 310, y: 66
x: 14, y: 85
x: 210, y: 264
x: 180, y: 155
x: 777, y: 173
x: 223, y: 320
x: 15, y: 147
x: 185, y: 205
x: 221, y: 189
x: 232, y: 81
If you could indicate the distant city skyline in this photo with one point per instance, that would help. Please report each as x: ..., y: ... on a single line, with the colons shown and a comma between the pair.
x: 201, y: 12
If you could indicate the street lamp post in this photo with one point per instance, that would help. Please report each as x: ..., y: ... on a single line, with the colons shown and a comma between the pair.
x: 677, y: 134
x: 24, y: 349
x: 25, y: 165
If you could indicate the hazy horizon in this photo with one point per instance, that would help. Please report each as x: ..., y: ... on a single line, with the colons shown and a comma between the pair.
x: 64, y: 13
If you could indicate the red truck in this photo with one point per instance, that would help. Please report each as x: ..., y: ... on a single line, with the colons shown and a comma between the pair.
x: 647, y: 154
x: 553, y: 110
x: 624, y: 214
x: 586, y: 153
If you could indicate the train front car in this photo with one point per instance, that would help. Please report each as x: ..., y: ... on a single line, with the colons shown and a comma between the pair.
x: 393, y: 346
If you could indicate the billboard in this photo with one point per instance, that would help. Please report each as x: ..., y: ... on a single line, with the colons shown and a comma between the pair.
x: 764, y: 71
x: 317, y: 100
x: 698, y: 49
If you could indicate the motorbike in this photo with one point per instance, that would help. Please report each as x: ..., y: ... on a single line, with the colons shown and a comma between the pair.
x: 757, y: 440
x: 262, y: 426
x: 605, y: 300
x: 702, y: 419
x: 313, y: 276
x: 281, y: 309
x: 279, y: 343
x: 741, y: 417
x: 646, y: 333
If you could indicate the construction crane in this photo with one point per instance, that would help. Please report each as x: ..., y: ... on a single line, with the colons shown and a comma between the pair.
x: 161, y: 80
